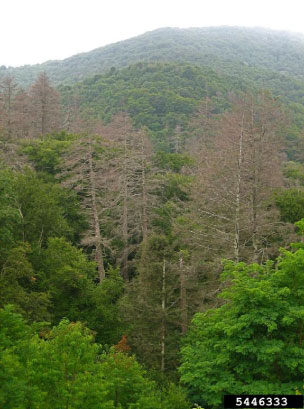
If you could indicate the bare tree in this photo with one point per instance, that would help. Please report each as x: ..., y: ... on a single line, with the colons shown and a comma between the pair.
x: 22, y: 115
x: 8, y: 88
x: 85, y: 171
x: 45, y: 106
x: 133, y: 190
x: 235, y: 177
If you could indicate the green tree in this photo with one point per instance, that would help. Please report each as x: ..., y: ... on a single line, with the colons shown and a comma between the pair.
x: 9, y: 216
x: 18, y: 285
x: 61, y: 370
x: 14, y: 334
x: 102, y: 313
x: 46, y: 154
x: 67, y: 274
x: 151, y: 306
x: 253, y: 343
x: 31, y: 209
x: 127, y: 383
x: 41, y: 213
x: 65, y: 368
x: 67, y: 372
x: 291, y: 205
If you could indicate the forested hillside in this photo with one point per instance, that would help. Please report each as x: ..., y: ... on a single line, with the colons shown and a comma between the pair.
x: 228, y: 49
x: 146, y: 221
x: 164, y: 98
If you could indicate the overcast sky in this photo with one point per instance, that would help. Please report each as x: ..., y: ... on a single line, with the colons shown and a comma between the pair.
x: 34, y: 31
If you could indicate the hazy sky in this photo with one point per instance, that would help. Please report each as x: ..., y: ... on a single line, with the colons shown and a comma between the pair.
x: 33, y: 31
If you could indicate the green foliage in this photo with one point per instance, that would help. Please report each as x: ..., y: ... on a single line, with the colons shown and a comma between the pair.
x: 17, y: 285
x: 141, y: 307
x: 73, y: 214
x: 173, y: 193
x: 174, y: 398
x: 291, y: 205
x: 294, y: 171
x: 160, y: 97
x: 300, y: 226
x: 67, y: 369
x: 30, y: 212
x: 175, y: 187
x: 33, y: 210
x: 103, y: 313
x: 68, y: 276
x: 127, y: 383
x: 10, y: 220
x: 40, y: 213
x: 46, y: 154
x: 252, y: 343
x: 14, y: 335
x: 172, y: 161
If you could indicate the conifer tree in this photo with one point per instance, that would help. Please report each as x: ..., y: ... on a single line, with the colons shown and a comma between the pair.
x: 85, y: 171
x: 236, y: 175
x: 8, y: 90
x: 133, y: 190
x: 45, y: 107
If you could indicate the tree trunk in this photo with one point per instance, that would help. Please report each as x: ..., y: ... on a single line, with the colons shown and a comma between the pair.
x: 9, y: 89
x: 237, y: 198
x: 43, y: 117
x: 9, y: 109
x: 183, y: 296
x: 98, y: 247
x: 163, y: 324
x: 254, y: 192
x: 144, y: 191
x: 125, y: 213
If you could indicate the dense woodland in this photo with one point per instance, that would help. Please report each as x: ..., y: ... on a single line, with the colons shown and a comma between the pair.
x: 151, y: 230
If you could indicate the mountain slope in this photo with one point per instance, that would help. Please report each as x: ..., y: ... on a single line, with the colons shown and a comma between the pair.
x: 223, y: 48
x: 163, y: 97
x: 159, y: 96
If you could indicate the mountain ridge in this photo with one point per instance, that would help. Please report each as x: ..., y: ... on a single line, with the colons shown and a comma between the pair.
x: 214, y: 47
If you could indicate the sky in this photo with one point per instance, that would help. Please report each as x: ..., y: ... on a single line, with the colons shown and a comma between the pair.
x: 34, y: 31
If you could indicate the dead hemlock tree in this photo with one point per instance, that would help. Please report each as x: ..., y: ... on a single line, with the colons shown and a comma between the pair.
x: 8, y: 90
x: 73, y: 122
x: 109, y: 172
x: 9, y: 126
x: 133, y: 198
x: 85, y: 169
x: 32, y: 113
x: 44, y: 107
x: 22, y: 115
x: 235, y: 179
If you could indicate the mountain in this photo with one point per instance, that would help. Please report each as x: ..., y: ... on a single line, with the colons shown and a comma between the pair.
x: 163, y: 97
x: 158, y: 96
x: 161, y: 77
x: 225, y: 49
